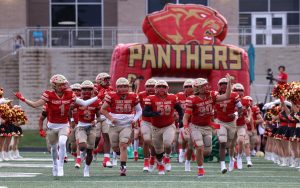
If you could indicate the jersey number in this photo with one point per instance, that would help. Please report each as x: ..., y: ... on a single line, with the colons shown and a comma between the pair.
x: 164, y: 109
x: 205, y: 109
x: 123, y: 108
x: 62, y: 109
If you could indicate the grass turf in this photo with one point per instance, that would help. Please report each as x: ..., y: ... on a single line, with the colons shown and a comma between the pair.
x: 263, y: 174
x: 32, y: 139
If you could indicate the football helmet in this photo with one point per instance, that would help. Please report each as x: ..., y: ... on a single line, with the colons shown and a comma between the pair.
x: 238, y: 86
x: 122, y: 85
x: 59, y: 82
x: 87, y: 88
x: 200, y: 85
x: 103, y: 79
x: 150, y: 86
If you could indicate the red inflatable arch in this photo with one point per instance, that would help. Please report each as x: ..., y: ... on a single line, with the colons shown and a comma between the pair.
x: 185, y: 41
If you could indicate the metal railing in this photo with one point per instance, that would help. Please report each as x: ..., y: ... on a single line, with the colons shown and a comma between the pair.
x: 109, y: 37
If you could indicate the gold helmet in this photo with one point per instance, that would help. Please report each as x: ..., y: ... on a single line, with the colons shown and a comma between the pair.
x: 188, y: 82
x: 58, y: 79
x: 100, y: 78
x: 222, y: 80
x: 161, y: 83
x: 76, y: 86
x: 200, y: 82
x: 122, y: 81
x: 87, y: 84
x: 150, y: 82
x: 237, y: 86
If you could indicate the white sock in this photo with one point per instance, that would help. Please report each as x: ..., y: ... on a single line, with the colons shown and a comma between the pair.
x: 135, y: 144
x: 62, y: 140
x: 54, y: 153
x: 248, y: 158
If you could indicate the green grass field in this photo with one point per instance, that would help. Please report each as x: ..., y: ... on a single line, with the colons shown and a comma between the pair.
x: 38, y: 171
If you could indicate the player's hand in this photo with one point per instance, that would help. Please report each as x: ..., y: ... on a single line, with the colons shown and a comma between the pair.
x: 157, y: 113
x: 114, y: 121
x: 231, y: 115
x: 20, y: 96
x: 42, y: 133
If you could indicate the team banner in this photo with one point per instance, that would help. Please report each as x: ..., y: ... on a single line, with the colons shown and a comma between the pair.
x: 185, y: 41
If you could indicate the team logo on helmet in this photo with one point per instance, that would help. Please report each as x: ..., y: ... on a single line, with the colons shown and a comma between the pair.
x: 122, y: 81
x: 58, y: 79
x: 150, y: 82
x: 237, y: 86
x: 76, y: 86
x: 222, y: 80
x: 188, y: 82
x: 87, y: 84
x: 100, y: 78
x: 200, y: 82
x: 161, y: 83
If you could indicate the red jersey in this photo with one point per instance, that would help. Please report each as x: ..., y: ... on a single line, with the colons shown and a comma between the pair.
x: 121, y: 106
x: 201, y: 109
x: 181, y: 99
x: 58, y: 107
x: 165, y: 106
x: 142, y: 97
x: 255, y: 112
x: 227, y: 107
x: 75, y: 113
x: 101, y: 91
x: 241, y: 120
x: 86, y: 114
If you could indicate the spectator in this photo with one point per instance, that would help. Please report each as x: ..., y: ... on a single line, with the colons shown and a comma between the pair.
x: 282, y: 77
x: 38, y: 37
x: 18, y: 43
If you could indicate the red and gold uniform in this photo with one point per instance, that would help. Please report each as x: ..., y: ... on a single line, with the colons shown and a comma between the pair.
x: 226, y: 119
x: 166, y: 108
x: 121, y: 109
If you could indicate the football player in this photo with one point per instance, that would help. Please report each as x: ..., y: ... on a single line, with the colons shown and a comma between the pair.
x: 160, y: 107
x: 184, y: 139
x: 59, y: 100
x: 199, y: 111
x: 146, y: 131
x: 226, y: 117
x: 125, y: 110
x: 102, y: 85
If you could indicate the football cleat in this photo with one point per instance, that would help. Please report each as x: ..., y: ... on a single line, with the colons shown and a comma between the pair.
x: 146, y: 165
x: 66, y: 160
x: 86, y: 171
x: 249, y: 164
x: 78, y: 163
x: 122, y: 170
x: 201, y: 172
x: 161, y: 169
x: 167, y: 162
x: 187, y: 166
x: 106, y: 162
x: 231, y: 166
x: 54, y: 170
x: 60, y: 170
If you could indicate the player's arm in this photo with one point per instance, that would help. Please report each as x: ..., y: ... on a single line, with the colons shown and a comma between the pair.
x: 259, y: 119
x: 71, y: 118
x: 226, y: 95
x: 138, y: 112
x: 104, y: 111
x: 148, y: 112
x: 82, y: 102
x: 42, y: 118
